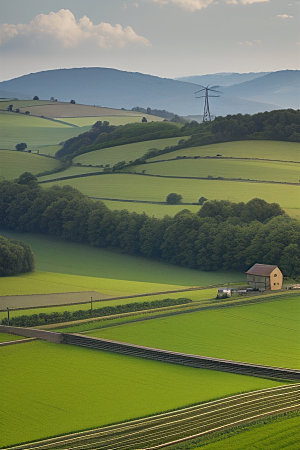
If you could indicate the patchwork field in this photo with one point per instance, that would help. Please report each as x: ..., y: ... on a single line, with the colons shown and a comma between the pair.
x: 253, y: 170
x: 273, y: 150
x: 58, y: 256
x: 35, y: 131
x: 277, y: 435
x: 141, y: 188
x: 88, y: 388
x: 126, y: 152
x: 114, y: 118
x: 13, y: 164
x: 265, y: 333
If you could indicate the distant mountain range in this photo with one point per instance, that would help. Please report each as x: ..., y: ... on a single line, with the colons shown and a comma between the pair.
x: 222, y: 79
x: 117, y: 89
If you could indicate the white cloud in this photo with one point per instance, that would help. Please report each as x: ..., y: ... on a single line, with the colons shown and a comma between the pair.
x: 284, y: 16
x: 189, y: 5
x: 63, y: 27
x: 250, y: 43
x: 193, y: 5
x: 245, y: 2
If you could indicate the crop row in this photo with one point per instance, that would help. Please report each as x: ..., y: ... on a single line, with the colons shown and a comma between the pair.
x: 164, y: 429
x: 185, y: 359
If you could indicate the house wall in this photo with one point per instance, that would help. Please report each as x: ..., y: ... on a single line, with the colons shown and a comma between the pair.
x: 276, y: 279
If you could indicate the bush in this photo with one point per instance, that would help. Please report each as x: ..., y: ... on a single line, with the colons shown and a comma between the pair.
x: 174, y: 199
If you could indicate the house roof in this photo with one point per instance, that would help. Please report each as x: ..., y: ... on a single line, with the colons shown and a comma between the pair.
x: 264, y: 270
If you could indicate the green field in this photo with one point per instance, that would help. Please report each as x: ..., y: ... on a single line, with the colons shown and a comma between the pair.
x: 127, y: 152
x: 50, y: 150
x: 140, y: 187
x: 274, y: 150
x: 67, y: 388
x: 265, y: 333
x: 279, y: 434
x: 13, y: 164
x: 152, y: 209
x: 253, y: 170
x: 35, y: 131
x: 58, y: 256
x: 130, y: 117
x: 5, y: 337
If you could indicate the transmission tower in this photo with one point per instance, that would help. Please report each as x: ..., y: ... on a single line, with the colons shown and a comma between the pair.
x: 206, y: 112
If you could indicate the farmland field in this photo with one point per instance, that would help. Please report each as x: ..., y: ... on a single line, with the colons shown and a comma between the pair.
x: 35, y: 131
x: 113, y: 119
x: 274, y: 150
x: 253, y: 170
x: 13, y: 164
x: 157, y: 210
x: 141, y: 187
x: 125, y: 152
x: 280, y: 434
x: 88, y: 388
x: 265, y: 333
x: 5, y: 337
x: 58, y: 256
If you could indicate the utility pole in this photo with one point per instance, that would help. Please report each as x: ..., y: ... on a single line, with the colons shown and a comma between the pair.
x: 91, y: 305
x: 206, y: 112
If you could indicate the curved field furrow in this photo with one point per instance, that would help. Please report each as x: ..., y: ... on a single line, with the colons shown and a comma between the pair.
x: 163, y: 429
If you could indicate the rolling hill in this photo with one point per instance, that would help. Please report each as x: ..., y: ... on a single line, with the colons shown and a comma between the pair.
x: 117, y: 89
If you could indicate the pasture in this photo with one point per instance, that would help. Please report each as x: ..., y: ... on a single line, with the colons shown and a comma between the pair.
x: 264, y: 333
x: 141, y: 187
x: 151, y: 209
x: 88, y: 388
x: 5, y: 337
x: 35, y: 131
x: 114, y: 118
x: 13, y: 164
x: 253, y: 170
x: 278, y: 434
x: 127, y: 152
x: 58, y: 256
x: 273, y: 150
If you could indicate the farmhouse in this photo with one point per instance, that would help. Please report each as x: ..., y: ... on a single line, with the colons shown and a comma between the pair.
x: 264, y: 276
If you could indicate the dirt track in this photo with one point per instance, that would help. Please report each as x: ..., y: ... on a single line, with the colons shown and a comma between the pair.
x: 38, y: 300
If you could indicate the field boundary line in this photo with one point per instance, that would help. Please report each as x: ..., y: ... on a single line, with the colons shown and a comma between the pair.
x: 185, y: 359
x: 156, y: 420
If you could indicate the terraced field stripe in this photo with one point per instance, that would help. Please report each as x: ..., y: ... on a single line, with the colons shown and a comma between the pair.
x: 185, y: 359
x: 161, y: 430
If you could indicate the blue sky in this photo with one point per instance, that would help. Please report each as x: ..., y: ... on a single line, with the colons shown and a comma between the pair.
x: 168, y: 38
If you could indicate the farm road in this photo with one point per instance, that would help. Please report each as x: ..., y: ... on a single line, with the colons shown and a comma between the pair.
x: 40, y: 300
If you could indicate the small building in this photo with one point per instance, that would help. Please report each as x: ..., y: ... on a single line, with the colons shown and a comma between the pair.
x: 263, y: 277
x: 224, y: 293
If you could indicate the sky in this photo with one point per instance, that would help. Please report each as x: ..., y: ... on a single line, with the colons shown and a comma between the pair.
x: 166, y: 38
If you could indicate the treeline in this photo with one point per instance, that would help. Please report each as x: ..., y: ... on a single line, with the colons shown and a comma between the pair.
x: 222, y: 236
x: 103, y: 135
x: 67, y: 316
x: 15, y: 257
x: 160, y: 113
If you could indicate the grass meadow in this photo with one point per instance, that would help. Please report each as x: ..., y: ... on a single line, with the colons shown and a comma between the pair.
x: 143, y: 188
x: 127, y: 152
x: 281, y: 433
x: 67, y: 388
x: 58, y: 256
x: 5, y: 337
x: 13, y: 164
x: 253, y: 170
x: 113, y: 119
x: 264, y: 333
x: 274, y: 150
x: 35, y: 131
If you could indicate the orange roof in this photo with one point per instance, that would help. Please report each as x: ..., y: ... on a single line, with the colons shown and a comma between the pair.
x: 264, y: 270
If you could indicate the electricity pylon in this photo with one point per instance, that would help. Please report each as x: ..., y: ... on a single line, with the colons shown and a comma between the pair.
x: 206, y: 112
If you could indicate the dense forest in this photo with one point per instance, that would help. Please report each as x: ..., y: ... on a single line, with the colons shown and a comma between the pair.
x: 222, y: 236
x: 283, y: 125
x: 15, y: 257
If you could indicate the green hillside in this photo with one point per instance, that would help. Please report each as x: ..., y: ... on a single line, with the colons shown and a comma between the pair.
x: 141, y: 188
x: 13, y: 164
